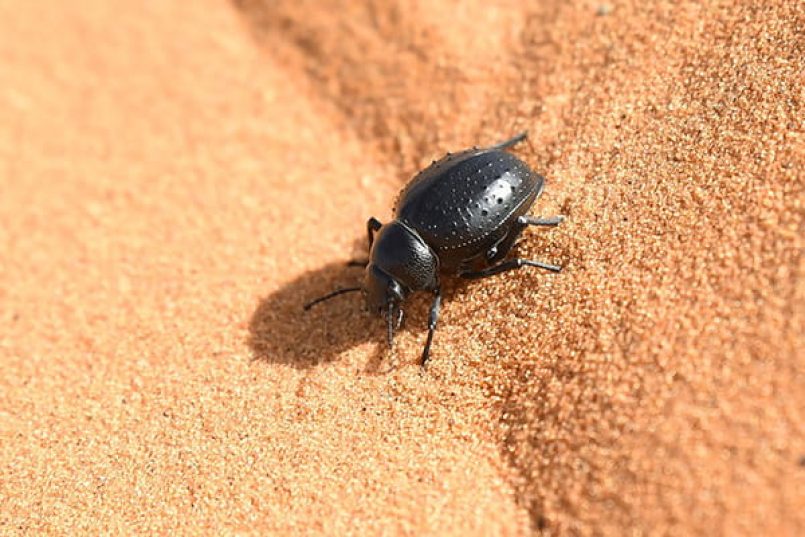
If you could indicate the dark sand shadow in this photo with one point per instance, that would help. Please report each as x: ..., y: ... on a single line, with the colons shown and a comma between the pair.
x: 282, y: 332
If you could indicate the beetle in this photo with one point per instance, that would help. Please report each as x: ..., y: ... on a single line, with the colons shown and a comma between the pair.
x: 458, y: 217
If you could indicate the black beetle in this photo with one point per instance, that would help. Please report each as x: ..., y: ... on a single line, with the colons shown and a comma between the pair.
x: 459, y: 217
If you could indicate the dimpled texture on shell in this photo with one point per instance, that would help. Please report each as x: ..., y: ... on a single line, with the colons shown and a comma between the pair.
x: 466, y: 202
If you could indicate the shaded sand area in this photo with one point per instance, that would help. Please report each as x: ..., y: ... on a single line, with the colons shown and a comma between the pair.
x: 179, y: 177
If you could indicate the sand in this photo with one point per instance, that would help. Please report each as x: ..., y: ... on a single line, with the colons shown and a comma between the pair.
x: 179, y: 177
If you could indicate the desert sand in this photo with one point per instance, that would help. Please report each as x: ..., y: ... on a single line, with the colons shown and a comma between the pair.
x: 179, y: 177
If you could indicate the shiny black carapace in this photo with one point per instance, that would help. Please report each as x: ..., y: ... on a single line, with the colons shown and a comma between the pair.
x: 458, y: 217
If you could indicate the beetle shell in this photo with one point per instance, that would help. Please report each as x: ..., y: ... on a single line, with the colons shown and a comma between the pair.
x: 466, y: 203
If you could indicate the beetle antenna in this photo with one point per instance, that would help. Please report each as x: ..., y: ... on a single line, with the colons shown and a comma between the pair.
x: 328, y: 296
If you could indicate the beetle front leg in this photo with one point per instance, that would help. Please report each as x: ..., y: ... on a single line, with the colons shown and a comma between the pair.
x: 372, y: 226
x: 506, y: 266
x: 433, y: 318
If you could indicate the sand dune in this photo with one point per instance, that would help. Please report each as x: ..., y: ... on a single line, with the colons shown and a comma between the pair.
x: 179, y: 177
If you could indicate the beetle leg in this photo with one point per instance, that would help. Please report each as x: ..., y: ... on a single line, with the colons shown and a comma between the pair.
x: 372, y: 225
x: 432, y: 320
x: 390, y: 321
x: 506, y: 266
x: 510, y: 142
x: 533, y: 221
x: 400, y: 318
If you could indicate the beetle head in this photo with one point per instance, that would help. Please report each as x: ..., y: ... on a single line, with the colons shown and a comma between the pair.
x: 384, y: 296
x: 381, y: 290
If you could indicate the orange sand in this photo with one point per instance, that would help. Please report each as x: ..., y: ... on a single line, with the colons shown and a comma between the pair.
x: 179, y: 177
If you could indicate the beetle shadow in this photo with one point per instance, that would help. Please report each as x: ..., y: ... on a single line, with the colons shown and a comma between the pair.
x: 282, y: 332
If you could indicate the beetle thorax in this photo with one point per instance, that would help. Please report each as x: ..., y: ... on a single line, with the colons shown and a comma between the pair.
x: 400, y: 252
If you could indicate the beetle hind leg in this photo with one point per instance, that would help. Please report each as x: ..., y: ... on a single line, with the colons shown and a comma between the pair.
x: 552, y: 221
x: 512, y: 264
x: 511, y: 142
x: 501, y: 250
